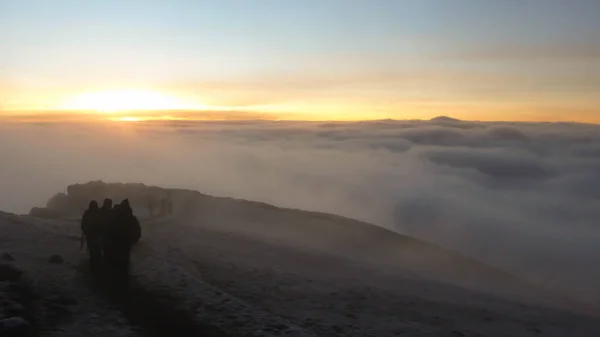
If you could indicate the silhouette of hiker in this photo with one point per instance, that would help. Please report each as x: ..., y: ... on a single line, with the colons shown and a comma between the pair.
x: 123, y: 232
x: 91, y: 233
x: 105, y: 210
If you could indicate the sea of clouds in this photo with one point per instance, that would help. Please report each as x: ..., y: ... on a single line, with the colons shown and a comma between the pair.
x: 521, y: 196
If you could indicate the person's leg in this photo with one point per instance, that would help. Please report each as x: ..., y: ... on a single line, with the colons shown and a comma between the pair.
x: 108, y: 253
x: 118, y: 261
x: 92, y: 252
x: 126, y: 258
x: 94, y: 259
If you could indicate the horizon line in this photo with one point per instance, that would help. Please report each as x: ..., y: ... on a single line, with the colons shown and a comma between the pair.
x: 134, y: 116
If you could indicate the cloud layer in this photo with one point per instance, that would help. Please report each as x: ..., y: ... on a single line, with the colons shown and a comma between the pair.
x: 522, y: 196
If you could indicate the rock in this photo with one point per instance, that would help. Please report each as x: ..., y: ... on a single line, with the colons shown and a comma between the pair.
x: 14, y: 327
x: 57, y: 310
x: 280, y: 327
x: 56, y: 259
x: 58, y: 201
x: 7, y: 257
x: 9, y: 273
x: 337, y: 329
x: 64, y: 300
x: 16, y: 309
x: 43, y: 212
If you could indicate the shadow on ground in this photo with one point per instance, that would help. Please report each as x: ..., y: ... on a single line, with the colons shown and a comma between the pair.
x: 154, y: 311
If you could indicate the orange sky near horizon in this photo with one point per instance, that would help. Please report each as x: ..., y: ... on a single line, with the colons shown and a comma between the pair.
x: 310, y: 60
x: 171, y: 103
x: 424, y: 95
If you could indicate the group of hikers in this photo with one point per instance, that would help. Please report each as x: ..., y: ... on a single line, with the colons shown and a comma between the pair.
x: 110, y: 232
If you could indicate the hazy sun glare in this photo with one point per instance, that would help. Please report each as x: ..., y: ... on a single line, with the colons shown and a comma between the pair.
x: 128, y: 119
x: 126, y: 100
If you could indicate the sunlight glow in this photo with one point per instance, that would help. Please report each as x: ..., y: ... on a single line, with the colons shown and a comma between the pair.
x: 127, y: 119
x: 126, y: 100
x: 142, y: 118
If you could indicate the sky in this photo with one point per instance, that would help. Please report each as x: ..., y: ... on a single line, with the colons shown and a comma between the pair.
x: 533, y: 60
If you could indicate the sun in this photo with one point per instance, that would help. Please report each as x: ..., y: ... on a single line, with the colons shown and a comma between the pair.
x: 113, y: 101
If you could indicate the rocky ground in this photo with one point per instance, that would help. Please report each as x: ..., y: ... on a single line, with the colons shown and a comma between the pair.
x: 224, y: 267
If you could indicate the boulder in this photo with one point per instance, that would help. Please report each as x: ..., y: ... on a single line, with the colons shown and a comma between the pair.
x: 14, y: 327
x: 56, y: 259
x: 43, y: 212
x: 7, y: 257
x: 9, y: 273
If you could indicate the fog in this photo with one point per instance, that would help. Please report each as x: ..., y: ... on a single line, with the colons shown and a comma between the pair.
x: 521, y: 196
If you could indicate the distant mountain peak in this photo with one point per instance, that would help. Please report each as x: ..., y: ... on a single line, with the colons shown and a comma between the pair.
x: 445, y: 119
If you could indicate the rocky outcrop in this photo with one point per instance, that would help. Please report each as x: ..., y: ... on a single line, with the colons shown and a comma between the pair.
x: 58, y: 201
x: 75, y: 201
x: 51, y: 213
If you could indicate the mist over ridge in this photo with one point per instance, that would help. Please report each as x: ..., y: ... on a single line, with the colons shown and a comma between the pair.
x: 521, y: 196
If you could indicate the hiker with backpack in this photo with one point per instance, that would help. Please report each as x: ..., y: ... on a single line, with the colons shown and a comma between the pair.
x: 121, y: 233
x: 91, y: 228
